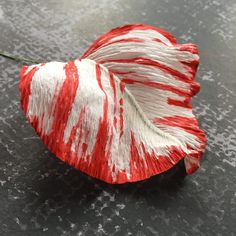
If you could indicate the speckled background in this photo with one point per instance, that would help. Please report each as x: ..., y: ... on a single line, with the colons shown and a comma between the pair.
x: 40, y: 195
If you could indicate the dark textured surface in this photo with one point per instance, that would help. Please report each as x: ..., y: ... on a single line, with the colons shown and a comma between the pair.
x: 40, y: 195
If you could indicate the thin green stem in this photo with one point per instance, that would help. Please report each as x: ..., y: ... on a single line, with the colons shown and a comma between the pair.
x: 18, y: 59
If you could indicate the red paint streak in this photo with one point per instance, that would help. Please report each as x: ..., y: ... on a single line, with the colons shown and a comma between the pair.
x: 125, y: 40
x: 100, y: 155
x: 85, y: 145
x: 159, y: 41
x: 72, y: 138
x: 137, y: 163
x: 84, y: 149
x: 25, y: 85
x: 191, y: 66
x: 122, y: 72
x: 122, y: 86
x: 105, y: 107
x: 106, y: 38
x: 148, y: 164
x: 54, y: 100
x: 149, y: 62
x: 195, y: 88
x: 78, y: 125
x: 193, y: 159
x: 121, y: 177
x: 188, y: 47
x: 175, y: 155
x: 115, y: 122
x: 166, y: 34
x: 62, y: 111
x: 185, y: 103
x: 159, y: 86
x: 121, y: 118
x: 189, y: 125
x: 192, y: 169
x: 113, y: 86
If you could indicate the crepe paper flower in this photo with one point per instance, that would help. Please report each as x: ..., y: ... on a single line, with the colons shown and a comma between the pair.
x: 122, y: 112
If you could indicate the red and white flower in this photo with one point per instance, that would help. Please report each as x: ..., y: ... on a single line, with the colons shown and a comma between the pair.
x: 122, y: 112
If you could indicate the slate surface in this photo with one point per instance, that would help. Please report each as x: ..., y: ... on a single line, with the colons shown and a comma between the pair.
x: 40, y: 195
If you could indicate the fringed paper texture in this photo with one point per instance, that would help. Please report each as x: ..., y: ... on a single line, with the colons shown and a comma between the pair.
x: 122, y: 112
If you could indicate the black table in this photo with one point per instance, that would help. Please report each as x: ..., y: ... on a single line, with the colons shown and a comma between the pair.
x: 40, y: 195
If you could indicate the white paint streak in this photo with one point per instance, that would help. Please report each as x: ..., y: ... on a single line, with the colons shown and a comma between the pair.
x: 46, y: 84
x: 144, y: 34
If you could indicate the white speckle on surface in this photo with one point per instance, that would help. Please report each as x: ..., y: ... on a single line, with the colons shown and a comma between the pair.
x: 21, y: 225
x: 121, y: 206
x: 2, y: 182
